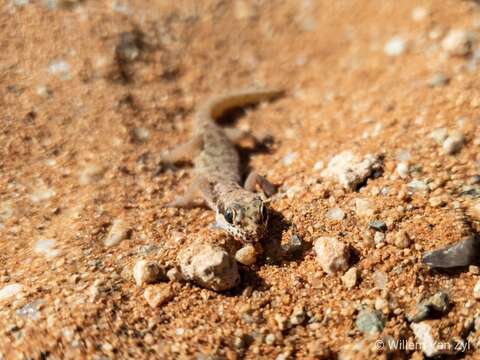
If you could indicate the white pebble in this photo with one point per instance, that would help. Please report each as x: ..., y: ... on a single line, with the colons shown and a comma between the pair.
x: 439, y: 135
x: 10, y: 290
x: 157, y: 295
x: 60, y: 68
x: 350, y: 278
x: 46, y: 247
x: 457, y: 42
x: 336, y: 214
x: 453, y: 143
x: 395, y: 46
x: 289, y: 159
x: 363, y: 208
x: 402, y: 170
x: 318, y: 165
x: 419, y: 13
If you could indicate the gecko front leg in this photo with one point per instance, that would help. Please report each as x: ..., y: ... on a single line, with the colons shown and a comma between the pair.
x: 186, y: 151
x: 254, y: 179
x: 198, y: 187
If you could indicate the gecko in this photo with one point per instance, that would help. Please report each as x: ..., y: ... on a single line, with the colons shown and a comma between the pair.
x: 239, y: 210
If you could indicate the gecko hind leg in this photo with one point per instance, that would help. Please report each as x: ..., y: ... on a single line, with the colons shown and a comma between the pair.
x: 254, y: 179
x: 185, y: 151
x: 198, y: 187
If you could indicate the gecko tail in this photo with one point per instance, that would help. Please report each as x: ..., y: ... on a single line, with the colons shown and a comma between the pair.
x: 219, y: 105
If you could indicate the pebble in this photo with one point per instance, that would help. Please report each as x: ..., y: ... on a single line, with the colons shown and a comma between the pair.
x: 146, y: 272
x: 46, y: 247
x: 370, y: 321
x: 418, y: 186
x: 402, y: 240
x: 453, y: 143
x: 293, y: 245
x: 32, y: 310
x: 318, y: 165
x: 402, y: 169
x: 379, y: 238
x: 419, y: 13
x: 247, y: 255
x: 270, y: 339
x: 332, y: 254
x: 438, y: 79
x: 380, y: 279
x: 59, y: 67
x: 91, y: 173
x: 350, y: 171
x: 378, y: 225
x: 436, y: 201
x: 439, y: 135
x: 174, y: 274
x: 289, y: 159
x: 208, y: 266
x: 428, y: 340
x: 298, y: 316
x: 157, y: 295
x: 118, y: 232
x: 336, y: 214
x: 10, y: 290
x: 363, y: 208
x: 42, y: 193
x: 457, y: 42
x: 437, y: 304
x: 476, y: 290
x: 350, y: 278
x: 395, y: 46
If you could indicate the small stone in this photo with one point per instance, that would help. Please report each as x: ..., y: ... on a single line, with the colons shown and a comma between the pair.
x: 379, y: 237
x: 32, y: 310
x: 281, y: 321
x: 438, y: 80
x: 59, y: 67
x: 474, y: 269
x: 370, y: 321
x: 475, y: 210
x: 336, y: 214
x: 380, y: 279
x: 146, y: 272
x: 351, y: 171
x: 350, y: 278
x: 439, y: 135
x: 332, y: 254
x: 158, y: 295
x: 436, y: 201
x: 457, y: 42
x: 270, y: 339
x: 293, y: 245
x: 208, y: 266
x: 437, y: 304
x: 364, y: 208
x: 453, y: 143
x: 91, y: 173
x: 402, y: 169
x: 378, y: 225
x: 46, y: 247
x: 402, y: 240
x: 9, y: 291
x: 395, y: 46
x: 476, y: 290
x: 381, y: 304
x: 319, y: 351
x: 290, y: 158
x: 247, y: 255
x: 174, y: 274
x: 429, y: 340
x: 42, y: 193
x: 298, y: 316
x: 419, y: 13
x: 118, y: 232
x: 318, y: 165
x: 418, y: 186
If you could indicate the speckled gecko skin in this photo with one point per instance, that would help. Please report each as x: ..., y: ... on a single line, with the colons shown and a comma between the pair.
x: 239, y: 209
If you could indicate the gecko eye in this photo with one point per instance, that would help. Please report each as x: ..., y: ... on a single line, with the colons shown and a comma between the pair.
x: 229, y: 215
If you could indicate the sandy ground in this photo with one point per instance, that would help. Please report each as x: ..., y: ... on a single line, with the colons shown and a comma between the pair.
x: 93, y: 91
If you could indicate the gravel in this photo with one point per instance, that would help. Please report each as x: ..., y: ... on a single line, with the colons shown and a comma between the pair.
x: 247, y: 255
x: 395, y: 46
x: 118, y: 232
x: 146, y: 272
x: 453, y: 143
x: 158, y: 295
x: 457, y: 42
x: 10, y: 291
x: 350, y: 278
x: 336, y: 214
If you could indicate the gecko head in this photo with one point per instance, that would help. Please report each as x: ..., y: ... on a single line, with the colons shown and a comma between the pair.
x: 245, y: 218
